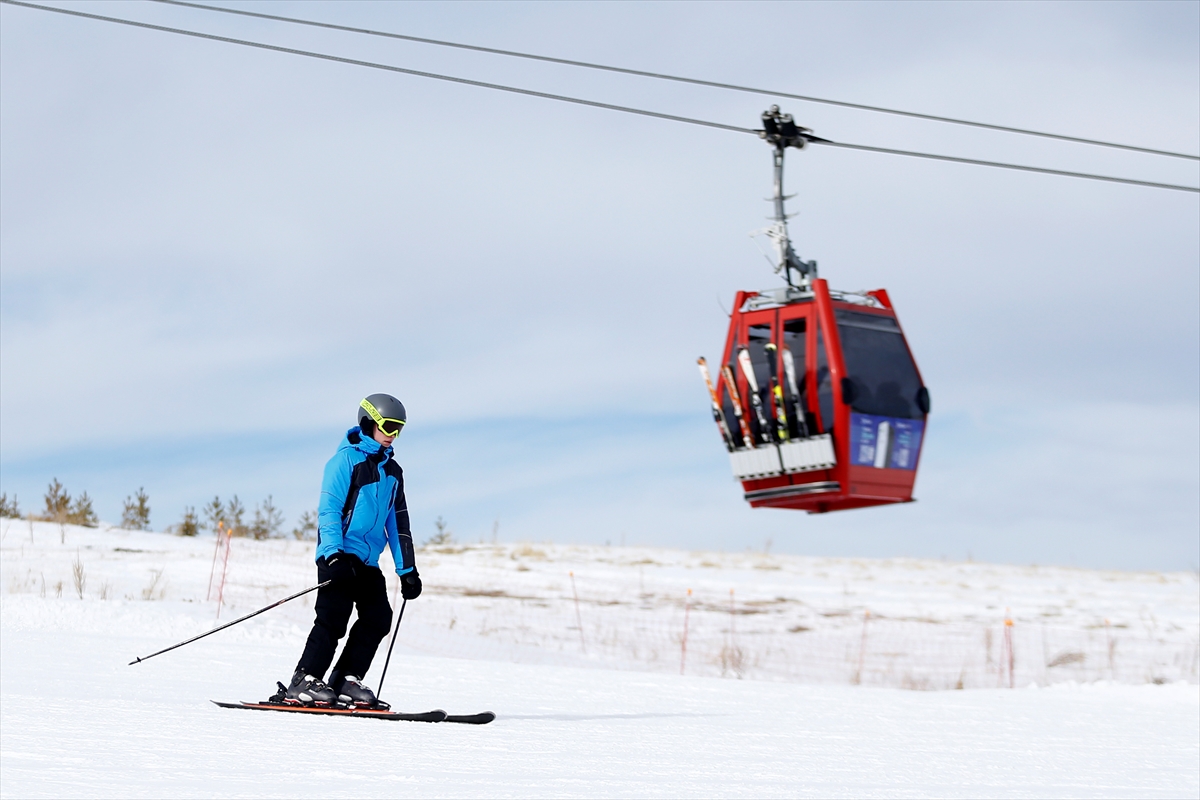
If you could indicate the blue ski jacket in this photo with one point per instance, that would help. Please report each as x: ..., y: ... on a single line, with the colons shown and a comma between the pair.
x: 362, y: 504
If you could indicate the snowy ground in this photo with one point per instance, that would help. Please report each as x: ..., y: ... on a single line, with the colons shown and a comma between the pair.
x: 602, y: 710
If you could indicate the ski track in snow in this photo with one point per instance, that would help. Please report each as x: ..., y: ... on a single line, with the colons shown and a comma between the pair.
x: 75, y: 720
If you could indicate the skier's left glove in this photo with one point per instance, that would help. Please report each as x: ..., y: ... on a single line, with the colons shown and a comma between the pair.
x: 410, y: 585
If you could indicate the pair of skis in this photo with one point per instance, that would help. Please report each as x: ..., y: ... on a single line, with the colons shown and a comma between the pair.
x: 437, y: 715
x: 789, y: 369
x: 738, y: 407
x: 719, y: 414
x: 782, y: 425
x: 278, y: 702
x: 780, y: 431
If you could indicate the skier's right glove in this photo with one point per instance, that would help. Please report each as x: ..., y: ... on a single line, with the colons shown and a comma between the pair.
x: 342, y: 566
x: 410, y: 585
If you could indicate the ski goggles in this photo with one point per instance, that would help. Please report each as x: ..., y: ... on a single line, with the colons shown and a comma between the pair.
x: 386, y: 425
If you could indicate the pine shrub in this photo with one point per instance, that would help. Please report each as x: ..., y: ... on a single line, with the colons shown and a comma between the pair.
x: 442, y: 537
x: 235, y: 514
x: 306, y: 526
x: 136, y: 516
x: 81, y: 512
x: 190, y: 524
x: 214, y: 514
x: 9, y: 509
x: 58, y: 502
x: 267, y: 520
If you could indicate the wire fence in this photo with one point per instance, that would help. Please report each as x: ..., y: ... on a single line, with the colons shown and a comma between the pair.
x: 588, y: 621
x: 764, y: 641
x: 625, y: 610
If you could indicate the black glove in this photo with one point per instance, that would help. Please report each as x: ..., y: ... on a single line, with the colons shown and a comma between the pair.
x: 343, y: 566
x: 410, y: 585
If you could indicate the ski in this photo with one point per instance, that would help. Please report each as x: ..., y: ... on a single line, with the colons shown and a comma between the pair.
x: 482, y: 718
x: 781, y: 420
x: 756, y: 402
x: 789, y: 369
x: 731, y: 387
x: 437, y: 715
x: 718, y: 415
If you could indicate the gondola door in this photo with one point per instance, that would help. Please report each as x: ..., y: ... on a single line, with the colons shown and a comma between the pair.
x: 745, y: 392
x: 768, y: 354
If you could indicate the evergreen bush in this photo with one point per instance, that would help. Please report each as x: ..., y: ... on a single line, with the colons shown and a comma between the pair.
x: 214, y: 514
x: 267, y: 520
x: 235, y: 514
x: 58, y: 502
x: 8, y: 509
x: 189, y: 525
x: 136, y: 516
x: 442, y: 537
x: 81, y: 512
x: 306, y: 526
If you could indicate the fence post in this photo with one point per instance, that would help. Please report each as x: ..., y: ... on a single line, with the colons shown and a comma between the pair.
x: 1045, y: 658
x: 732, y: 641
x: 578, y: 618
x: 1008, y: 647
x: 1112, y: 646
x: 687, y: 607
x: 862, y: 648
x: 224, y: 570
x: 212, y: 572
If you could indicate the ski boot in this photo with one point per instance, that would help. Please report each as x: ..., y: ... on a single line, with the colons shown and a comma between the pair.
x: 305, y: 690
x: 354, y: 693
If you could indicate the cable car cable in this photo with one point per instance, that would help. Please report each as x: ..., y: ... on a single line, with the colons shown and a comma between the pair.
x: 681, y: 79
x: 584, y: 102
x: 387, y: 67
x: 1001, y: 165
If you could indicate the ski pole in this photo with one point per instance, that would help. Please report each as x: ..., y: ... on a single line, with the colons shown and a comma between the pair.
x: 388, y: 660
x: 235, y: 622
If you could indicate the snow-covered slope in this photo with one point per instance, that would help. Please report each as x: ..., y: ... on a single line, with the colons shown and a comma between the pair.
x: 601, y: 710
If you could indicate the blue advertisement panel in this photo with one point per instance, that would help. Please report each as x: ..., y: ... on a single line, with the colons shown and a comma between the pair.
x: 885, y: 441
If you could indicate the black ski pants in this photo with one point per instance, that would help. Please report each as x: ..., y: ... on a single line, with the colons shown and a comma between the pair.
x: 367, y: 590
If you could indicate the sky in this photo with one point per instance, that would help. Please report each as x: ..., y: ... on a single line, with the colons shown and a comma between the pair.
x: 209, y: 254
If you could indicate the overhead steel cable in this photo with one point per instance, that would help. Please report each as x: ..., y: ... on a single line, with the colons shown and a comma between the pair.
x: 1023, y: 168
x: 681, y: 79
x: 389, y: 68
x: 581, y: 101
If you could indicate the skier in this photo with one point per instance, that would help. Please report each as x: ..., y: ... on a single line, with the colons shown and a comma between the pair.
x: 362, y: 508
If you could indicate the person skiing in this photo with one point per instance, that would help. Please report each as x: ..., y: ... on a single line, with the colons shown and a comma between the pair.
x: 362, y: 508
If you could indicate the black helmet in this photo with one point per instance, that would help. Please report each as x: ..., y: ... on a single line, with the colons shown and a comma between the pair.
x: 382, y: 411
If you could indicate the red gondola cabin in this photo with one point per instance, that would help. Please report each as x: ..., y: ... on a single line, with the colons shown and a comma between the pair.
x: 828, y: 409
